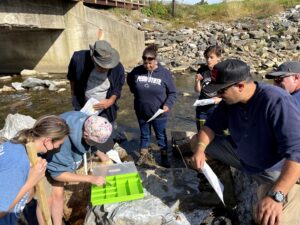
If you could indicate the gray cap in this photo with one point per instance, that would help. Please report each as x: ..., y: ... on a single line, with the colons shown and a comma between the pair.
x: 104, y: 55
x: 285, y: 68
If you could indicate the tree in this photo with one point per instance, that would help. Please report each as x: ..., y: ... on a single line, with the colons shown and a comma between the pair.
x: 202, y: 2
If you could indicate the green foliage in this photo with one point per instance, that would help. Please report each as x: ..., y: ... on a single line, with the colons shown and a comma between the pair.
x: 147, y: 11
x: 156, y: 9
x: 189, y: 15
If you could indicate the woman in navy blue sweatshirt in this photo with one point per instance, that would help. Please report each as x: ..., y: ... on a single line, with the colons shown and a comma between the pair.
x: 153, y: 89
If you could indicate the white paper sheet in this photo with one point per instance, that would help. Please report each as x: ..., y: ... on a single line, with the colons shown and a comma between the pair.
x: 203, y: 102
x: 88, y: 107
x: 158, y: 112
x: 214, y: 181
x: 114, y: 156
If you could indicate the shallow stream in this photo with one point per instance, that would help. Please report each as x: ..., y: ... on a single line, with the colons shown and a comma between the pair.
x: 38, y: 103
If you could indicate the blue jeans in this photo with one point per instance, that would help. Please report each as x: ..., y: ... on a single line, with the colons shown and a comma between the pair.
x: 202, y: 113
x: 159, y: 126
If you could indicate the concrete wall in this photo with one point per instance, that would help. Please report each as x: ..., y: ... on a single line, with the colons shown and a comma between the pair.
x: 43, y: 35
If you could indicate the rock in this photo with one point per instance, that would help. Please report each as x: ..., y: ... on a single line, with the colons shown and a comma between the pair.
x: 148, y: 42
x: 186, y: 94
x: 5, y: 77
x: 165, y: 49
x: 179, y: 69
x: 61, y: 90
x: 38, y: 84
x: 14, y: 123
x: 192, y: 45
x: 244, y: 36
x: 7, y: 89
x: 17, y: 86
x: 26, y: 72
x: 257, y: 34
x: 38, y: 88
x: 60, y: 82
x: 295, y: 17
x: 180, y: 39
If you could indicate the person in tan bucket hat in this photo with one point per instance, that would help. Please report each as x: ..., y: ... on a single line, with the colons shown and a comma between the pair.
x: 97, y: 73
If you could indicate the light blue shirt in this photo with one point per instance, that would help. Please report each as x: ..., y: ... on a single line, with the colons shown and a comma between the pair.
x: 14, y: 170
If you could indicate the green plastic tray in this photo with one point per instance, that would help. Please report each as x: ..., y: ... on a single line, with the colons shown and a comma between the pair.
x: 118, y: 188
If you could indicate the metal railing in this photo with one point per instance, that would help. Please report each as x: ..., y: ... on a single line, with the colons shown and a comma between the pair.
x: 118, y: 3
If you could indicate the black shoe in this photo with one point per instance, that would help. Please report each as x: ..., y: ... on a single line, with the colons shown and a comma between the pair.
x: 164, y: 159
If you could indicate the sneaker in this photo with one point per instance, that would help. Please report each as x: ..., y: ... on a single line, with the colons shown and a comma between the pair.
x: 164, y: 159
x: 146, y: 158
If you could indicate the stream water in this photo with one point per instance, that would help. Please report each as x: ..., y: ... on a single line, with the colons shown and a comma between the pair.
x: 38, y: 103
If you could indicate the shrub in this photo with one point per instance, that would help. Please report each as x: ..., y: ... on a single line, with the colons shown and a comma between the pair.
x: 156, y: 9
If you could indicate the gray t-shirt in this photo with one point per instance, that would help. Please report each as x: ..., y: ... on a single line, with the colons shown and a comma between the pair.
x: 97, y: 85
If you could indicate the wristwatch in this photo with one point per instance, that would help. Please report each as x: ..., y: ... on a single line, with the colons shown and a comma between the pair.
x: 277, y: 196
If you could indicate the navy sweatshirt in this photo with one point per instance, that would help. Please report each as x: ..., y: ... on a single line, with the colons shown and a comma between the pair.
x: 265, y: 129
x: 151, y: 90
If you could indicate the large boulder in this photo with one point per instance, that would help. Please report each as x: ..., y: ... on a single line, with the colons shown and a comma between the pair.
x: 32, y: 82
x: 14, y: 123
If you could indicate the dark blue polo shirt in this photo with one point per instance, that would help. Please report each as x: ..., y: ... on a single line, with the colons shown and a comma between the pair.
x: 296, y: 95
x: 264, y: 130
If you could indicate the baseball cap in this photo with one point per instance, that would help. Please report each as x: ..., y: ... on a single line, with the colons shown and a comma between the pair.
x: 97, y: 128
x: 104, y: 55
x: 227, y: 73
x: 285, y: 68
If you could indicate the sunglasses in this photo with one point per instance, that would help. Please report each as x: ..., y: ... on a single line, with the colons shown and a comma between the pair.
x: 280, y: 79
x: 223, y: 90
x: 148, y: 58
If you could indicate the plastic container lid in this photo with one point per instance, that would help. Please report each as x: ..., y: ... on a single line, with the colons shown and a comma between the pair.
x: 114, y: 169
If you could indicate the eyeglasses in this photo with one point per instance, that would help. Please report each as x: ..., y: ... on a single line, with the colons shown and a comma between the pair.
x: 223, y: 90
x: 280, y: 79
x: 148, y: 58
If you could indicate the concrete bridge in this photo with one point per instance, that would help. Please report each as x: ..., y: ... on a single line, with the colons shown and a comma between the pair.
x: 131, y: 4
x: 43, y: 34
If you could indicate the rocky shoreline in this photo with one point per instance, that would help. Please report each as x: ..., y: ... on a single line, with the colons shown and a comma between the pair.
x: 263, y: 43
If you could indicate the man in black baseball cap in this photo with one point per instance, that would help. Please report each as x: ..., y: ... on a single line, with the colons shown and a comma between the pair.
x: 287, y: 76
x: 229, y: 77
x: 263, y: 122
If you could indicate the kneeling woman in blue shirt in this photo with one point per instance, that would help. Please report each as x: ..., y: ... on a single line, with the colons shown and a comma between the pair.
x: 153, y: 89
x: 16, y: 175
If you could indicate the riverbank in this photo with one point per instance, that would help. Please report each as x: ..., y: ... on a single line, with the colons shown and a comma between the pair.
x: 264, y: 43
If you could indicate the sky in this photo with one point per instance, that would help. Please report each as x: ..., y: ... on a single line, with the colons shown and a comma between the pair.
x: 195, y: 1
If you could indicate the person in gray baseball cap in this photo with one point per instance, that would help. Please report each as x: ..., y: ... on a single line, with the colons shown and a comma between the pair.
x: 287, y: 76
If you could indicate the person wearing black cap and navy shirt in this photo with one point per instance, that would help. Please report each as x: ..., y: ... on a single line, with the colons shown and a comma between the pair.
x: 153, y: 89
x: 263, y: 121
x: 287, y: 76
